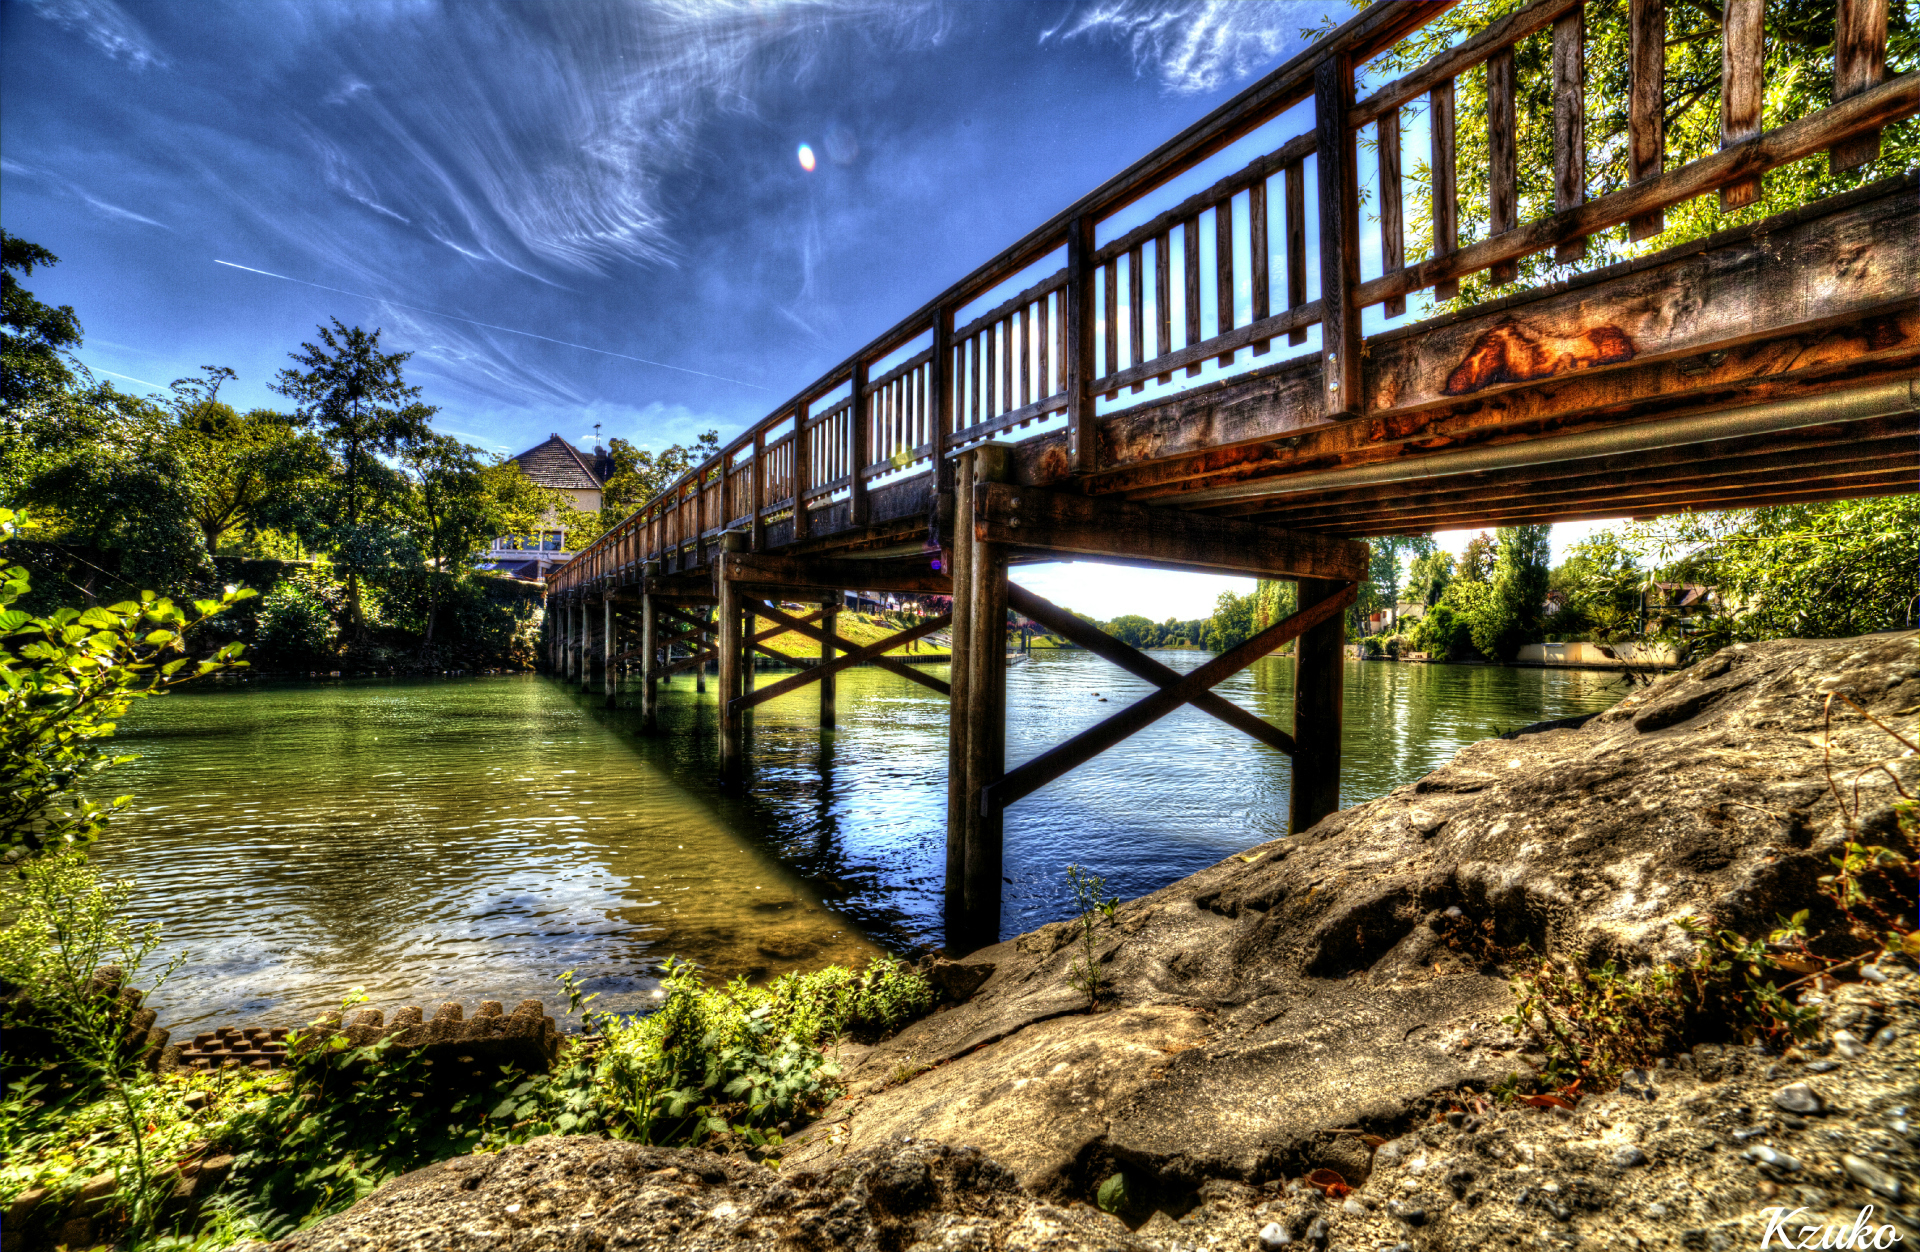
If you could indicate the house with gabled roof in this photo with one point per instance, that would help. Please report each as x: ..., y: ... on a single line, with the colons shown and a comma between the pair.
x: 579, y: 476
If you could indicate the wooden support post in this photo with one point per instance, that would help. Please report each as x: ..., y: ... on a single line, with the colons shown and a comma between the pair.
x: 861, y: 443
x: 1743, y: 50
x: 1078, y: 367
x: 1646, y: 108
x: 609, y: 666
x: 580, y: 651
x: 1859, y: 62
x: 1570, y: 122
x: 1339, y: 236
x: 957, y: 562
x: 650, y: 658
x: 1319, y: 671
x: 1446, y: 205
x: 940, y: 391
x: 758, y: 531
x: 986, y: 716
x: 729, y: 649
x: 1393, y: 242
x: 829, y: 628
x: 1503, y: 163
x: 749, y: 661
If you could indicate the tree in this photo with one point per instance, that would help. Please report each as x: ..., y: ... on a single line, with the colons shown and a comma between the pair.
x: 1600, y: 587
x: 1232, y: 622
x: 37, y: 340
x: 1797, y: 78
x: 239, y: 471
x: 1476, y: 562
x: 1429, y: 575
x: 357, y: 398
x: 1515, y: 613
x: 639, y: 475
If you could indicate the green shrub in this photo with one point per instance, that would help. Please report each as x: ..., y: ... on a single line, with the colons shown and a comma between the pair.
x: 297, y: 621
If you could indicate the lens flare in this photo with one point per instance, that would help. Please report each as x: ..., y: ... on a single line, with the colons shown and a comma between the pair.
x: 806, y: 158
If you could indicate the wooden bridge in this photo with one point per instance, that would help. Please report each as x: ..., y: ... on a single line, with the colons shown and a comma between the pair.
x: 1070, y: 415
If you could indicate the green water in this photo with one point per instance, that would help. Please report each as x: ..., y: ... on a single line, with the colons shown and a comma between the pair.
x: 470, y: 839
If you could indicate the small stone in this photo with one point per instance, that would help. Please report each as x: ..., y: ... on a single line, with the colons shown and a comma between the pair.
x: 1629, y: 1157
x: 1274, y: 1235
x: 1411, y: 1214
x: 1318, y: 1232
x: 1793, y: 1123
x: 1353, y: 1208
x: 1638, y: 1084
x: 1886, y: 1036
x: 1657, y: 1212
x: 1823, y: 1067
x: 1455, y: 1117
x: 1848, y: 1044
x: 513, y: 1208
x: 1773, y: 1159
x: 1798, y: 1098
x: 1872, y: 1177
x: 1873, y: 973
x: 1748, y: 1132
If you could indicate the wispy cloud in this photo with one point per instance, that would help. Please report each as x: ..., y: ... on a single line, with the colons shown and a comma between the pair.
x: 105, y: 25
x: 78, y: 192
x: 1193, y: 46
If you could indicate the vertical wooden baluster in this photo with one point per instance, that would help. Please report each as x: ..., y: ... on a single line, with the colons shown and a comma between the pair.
x: 940, y: 381
x: 1296, y: 227
x: 1190, y: 235
x: 1136, y: 314
x: 1012, y: 332
x: 1257, y: 253
x: 1026, y: 356
x: 1503, y: 170
x: 1043, y: 340
x: 759, y: 526
x: 989, y: 376
x: 1007, y: 348
x: 1111, y: 301
x: 1339, y: 236
x: 1162, y: 300
x: 1223, y: 271
x: 858, y: 452
x: 1393, y: 241
x: 1646, y: 110
x: 1446, y: 193
x: 1859, y: 62
x: 973, y: 379
x: 1570, y: 123
x: 1060, y: 337
x: 1076, y: 352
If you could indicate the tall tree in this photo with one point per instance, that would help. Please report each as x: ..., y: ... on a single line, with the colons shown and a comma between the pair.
x: 239, y: 471
x: 37, y: 340
x: 639, y: 474
x: 1515, y: 614
x: 360, y: 404
x: 1429, y: 575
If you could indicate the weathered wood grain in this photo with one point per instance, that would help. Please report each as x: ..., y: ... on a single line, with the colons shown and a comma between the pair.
x: 1163, y: 300
x: 1076, y: 361
x: 1503, y: 170
x: 1393, y: 242
x: 1446, y: 191
x: 1257, y: 251
x: 1859, y: 63
x: 1448, y: 65
x: 1337, y: 173
x: 1296, y: 227
x: 1570, y: 123
x: 1646, y: 105
x: 1223, y: 272
x: 1136, y: 313
x: 816, y: 573
x: 1190, y: 258
x: 1743, y: 47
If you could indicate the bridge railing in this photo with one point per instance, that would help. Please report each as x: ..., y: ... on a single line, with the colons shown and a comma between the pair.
x: 1050, y: 352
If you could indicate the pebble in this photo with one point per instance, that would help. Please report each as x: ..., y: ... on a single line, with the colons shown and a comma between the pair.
x: 1657, y: 1212
x: 1848, y: 1044
x: 1886, y: 1036
x: 1872, y: 1177
x: 1318, y: 1232
x: 1765, y: 1155
x: 1748, y: 1132
x: 1411, y: 1214
x: 1353, y: 1208
x: 1823, y: 1067
x: 1637, y: 1083
x: 1798, y: 1098
x: 1274, y: 1235
x: 1873, y: 973
x: 1629, y: 1157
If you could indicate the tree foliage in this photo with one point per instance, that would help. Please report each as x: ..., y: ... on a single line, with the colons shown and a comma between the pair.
x: 239, y: 472
x: 640, y: 474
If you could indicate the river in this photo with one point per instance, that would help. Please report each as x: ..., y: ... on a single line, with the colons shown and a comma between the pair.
x: 470, y: 838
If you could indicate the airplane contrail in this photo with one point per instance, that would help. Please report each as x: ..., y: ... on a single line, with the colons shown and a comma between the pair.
x: 490, y: 326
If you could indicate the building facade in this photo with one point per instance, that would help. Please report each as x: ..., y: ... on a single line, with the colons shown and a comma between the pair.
x: 579, y: 476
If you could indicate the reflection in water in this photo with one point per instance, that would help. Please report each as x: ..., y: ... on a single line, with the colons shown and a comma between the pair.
x: 459, y: 840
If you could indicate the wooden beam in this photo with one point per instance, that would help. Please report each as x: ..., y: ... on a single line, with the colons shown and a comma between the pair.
x: 1336, y: 163
x: 1051, y: 521
x: 688, y: 662
x: 853, y: 656
x: 884, y: 662
x: 1448, y: 65
x: 1569, y: 123
x: 1646, y: 105
x: 836, y: 574
x: 957, y: 560
x: 1393, y: 245
x: 1503, y: 161
x: 1859, y: 63
x: 1140, y: 665
x: 1743, y: 51
x: 1319, y: 662
x: 1051, y: 764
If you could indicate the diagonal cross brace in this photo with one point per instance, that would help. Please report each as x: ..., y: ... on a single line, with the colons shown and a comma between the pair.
x: 884, y: 662
x: 854, y: 657
x: 688, y: 662
x: 1137, y: 663
x: 1049, y: 765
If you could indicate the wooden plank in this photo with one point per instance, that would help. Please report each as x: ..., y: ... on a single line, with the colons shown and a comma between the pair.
x: 1163, y: 299
x: 1043, y: 343
x: 1789, y: 142
x: 1140, y: 665
x: 1319, y: 664
x: 940, y: 376
x: 993, y: 316
x: 1859, y: 62
x: 835, y: 574
x: 973, y: 371
x: 1023, y: 344
x: 884, y: 662
x: 1446, y: 191
x: 1220, y: 345
x: 1646, y: 107
x: 1296, y: 227
x: 1570, y: 123
x: 1743, y: 49
x: 1018, y: 417
x: 1110, y: 292
x: 1009, y: 346
x: 689, y: 662
x: 1256, y: 170
x: 1258, y: 252
x: 830, y: 665
x: 1190, y: 249
x: 1339, y: 238
x: 1503, y: 173
x: 1052, y: 521
x: 1136, y: 313
x: 1393, y: 240
x: 1223, y: 273
x: 1051, y: 764
x: 1448, y: 65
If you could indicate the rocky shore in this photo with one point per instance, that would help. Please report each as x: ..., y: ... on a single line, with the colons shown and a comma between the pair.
x: 1302, y: 1044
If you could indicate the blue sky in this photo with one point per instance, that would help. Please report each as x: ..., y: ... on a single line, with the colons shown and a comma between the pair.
x: 581, y: 212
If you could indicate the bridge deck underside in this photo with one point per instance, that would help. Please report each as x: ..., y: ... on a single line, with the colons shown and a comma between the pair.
x: 1596, y: 387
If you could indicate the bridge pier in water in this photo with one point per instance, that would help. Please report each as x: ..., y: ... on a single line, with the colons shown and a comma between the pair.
x: 1770, y: 363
